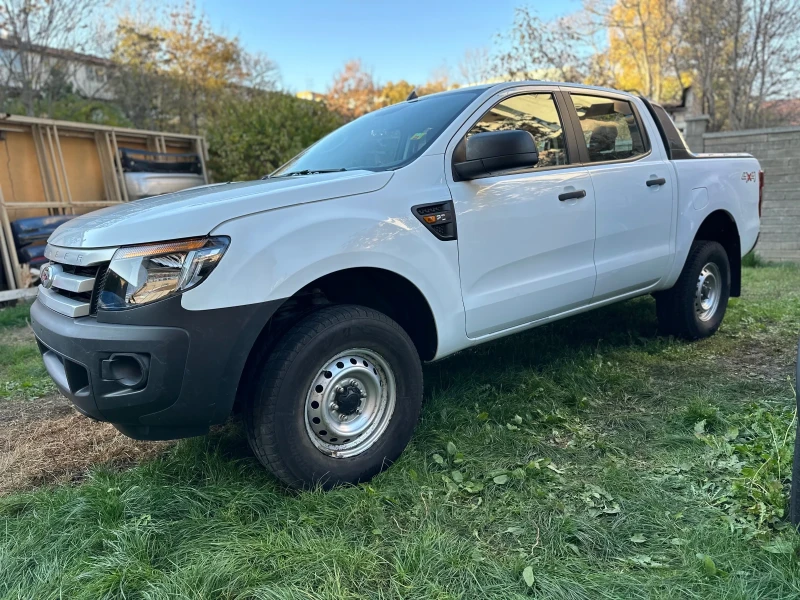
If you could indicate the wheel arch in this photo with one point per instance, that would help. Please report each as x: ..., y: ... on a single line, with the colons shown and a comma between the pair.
x: 387, y: 292
x: 720, y: 226
x: 373, y: 287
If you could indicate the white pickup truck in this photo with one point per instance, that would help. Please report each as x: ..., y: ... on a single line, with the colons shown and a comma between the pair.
x: 311, y: 297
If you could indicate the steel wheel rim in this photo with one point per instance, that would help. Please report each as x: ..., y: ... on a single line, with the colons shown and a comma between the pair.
x: 708, y: 292
x: 350, y: 403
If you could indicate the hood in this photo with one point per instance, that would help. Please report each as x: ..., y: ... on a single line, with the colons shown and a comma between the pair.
x: 195, y: 212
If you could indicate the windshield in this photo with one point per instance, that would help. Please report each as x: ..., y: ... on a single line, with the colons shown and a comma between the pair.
x: 382, y: 140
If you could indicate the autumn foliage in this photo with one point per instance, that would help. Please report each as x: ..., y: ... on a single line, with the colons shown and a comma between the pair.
x: 738, y: 56
x: 355, y: 92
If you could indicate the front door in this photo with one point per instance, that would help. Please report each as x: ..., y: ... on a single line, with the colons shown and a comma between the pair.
x: 525, y: 239
x: 633, y: 186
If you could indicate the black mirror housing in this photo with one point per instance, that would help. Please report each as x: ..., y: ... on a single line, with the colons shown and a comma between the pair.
x: 491, y: 152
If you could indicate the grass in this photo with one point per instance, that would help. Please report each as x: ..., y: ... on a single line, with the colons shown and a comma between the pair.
x: 22, y: 374
x: 14, y: 317
x: 586, y: 459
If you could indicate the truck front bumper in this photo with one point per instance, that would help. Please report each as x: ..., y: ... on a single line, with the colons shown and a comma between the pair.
x: 156, y: 371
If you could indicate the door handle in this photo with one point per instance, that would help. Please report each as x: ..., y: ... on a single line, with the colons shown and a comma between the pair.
x: 572, y: 195
x: 659, y: 181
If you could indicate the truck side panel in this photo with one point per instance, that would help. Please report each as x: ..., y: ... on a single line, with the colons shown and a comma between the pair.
x: 711, y: 183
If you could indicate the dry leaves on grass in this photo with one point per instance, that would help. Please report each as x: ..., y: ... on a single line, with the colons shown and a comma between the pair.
x: 60, y: 449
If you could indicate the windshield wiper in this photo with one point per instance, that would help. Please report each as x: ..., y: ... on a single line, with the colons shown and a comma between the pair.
x: 307, y: 172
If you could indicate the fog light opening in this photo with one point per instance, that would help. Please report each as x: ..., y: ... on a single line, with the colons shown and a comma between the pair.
x: 129, y: 370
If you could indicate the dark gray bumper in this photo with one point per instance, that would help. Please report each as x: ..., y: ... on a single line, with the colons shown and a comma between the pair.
x: 155, y: 372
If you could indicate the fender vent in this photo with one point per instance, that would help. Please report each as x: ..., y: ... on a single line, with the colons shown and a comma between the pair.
x: 429, y: 209
x: 439, y: 219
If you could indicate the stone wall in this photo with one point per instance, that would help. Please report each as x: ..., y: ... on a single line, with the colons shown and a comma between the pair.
x: 778, y: 151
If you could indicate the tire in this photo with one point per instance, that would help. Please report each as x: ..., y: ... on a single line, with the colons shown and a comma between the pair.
x: 695, y: 306
x: 304, y: 369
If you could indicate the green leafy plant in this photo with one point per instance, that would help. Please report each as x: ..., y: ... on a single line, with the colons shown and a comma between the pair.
x: 252, y: 136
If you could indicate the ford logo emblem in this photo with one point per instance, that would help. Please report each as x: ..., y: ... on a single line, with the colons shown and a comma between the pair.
x: 48, y: 274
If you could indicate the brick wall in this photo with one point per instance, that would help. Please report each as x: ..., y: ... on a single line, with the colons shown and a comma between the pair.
x: 778, y: 151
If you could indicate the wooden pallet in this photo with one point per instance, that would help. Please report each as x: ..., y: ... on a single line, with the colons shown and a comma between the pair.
x: 63, y: 168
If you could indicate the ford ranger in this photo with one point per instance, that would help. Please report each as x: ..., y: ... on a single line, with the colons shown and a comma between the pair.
x: 310, y: 298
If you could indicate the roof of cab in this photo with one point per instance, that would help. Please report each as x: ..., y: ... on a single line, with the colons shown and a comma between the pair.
x: 581, y: 86
x: 533, y: 82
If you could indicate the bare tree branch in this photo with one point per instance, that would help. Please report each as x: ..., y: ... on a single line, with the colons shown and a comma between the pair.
x: 34, y: 31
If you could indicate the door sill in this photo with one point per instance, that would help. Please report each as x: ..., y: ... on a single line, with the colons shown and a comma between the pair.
x: 566, y: 313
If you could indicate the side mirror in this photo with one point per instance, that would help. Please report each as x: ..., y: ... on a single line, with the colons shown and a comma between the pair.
x: 491, y: 152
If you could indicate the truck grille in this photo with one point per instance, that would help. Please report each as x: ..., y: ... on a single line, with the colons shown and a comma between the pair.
x: 74, y: 279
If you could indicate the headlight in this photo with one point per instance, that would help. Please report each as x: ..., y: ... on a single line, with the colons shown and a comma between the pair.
x: 142, y: 274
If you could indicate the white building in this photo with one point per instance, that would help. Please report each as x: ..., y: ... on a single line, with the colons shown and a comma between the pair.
x: 88, y: 75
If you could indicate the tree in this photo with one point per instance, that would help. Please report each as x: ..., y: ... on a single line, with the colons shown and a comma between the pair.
x: 201, y: 61
x: 145, y: 92
x: 745, y: 56
x: 563, y: 49
x: 253, y: 136
x: 439, y: 81
x: 645, y: 42
x: 706, y: 33
x: 34, y: 28
x: 174, y: 73
x: 353, y: 91
x: 628, y: 44
x: 764, y: 57
x: 476, y: 66
x: 392, y: 93
x: 260, y: 72
x: 741, y: 57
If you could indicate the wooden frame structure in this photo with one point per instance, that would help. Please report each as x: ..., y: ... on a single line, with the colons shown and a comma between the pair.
x: 63, y: 168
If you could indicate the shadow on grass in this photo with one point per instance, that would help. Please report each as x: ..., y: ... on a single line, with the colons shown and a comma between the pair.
x: 553, y: 348
x: 550, y: 346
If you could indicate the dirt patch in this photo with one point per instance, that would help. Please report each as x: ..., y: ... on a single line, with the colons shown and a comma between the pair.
x: 19, y: 335
x: 764, y: 360
x: 33, y: 410
x: 46, y: 442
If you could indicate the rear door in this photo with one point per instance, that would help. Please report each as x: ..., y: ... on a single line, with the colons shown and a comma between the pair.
x: 525, y: 238
x: 634, y: 189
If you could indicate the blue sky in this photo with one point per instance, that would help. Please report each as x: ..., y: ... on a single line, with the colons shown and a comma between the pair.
x: 404, y: 39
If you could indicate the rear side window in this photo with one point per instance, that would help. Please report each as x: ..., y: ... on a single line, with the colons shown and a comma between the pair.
x: 610, y: 129
x: 535, y: 113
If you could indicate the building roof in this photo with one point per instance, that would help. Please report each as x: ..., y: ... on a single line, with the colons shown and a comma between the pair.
x: 787, y: 110
x: 12, y: 43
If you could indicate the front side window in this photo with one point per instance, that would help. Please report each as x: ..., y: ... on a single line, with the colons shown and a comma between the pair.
x: 610, y: 128
x: 535, y: 113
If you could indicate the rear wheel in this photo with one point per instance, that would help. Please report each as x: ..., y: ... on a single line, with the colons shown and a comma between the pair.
x: 337, y: 400
x: 695, y: 306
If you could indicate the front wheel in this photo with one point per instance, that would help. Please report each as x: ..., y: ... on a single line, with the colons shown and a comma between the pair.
x: 695, y: 306
x: 337, y: 400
